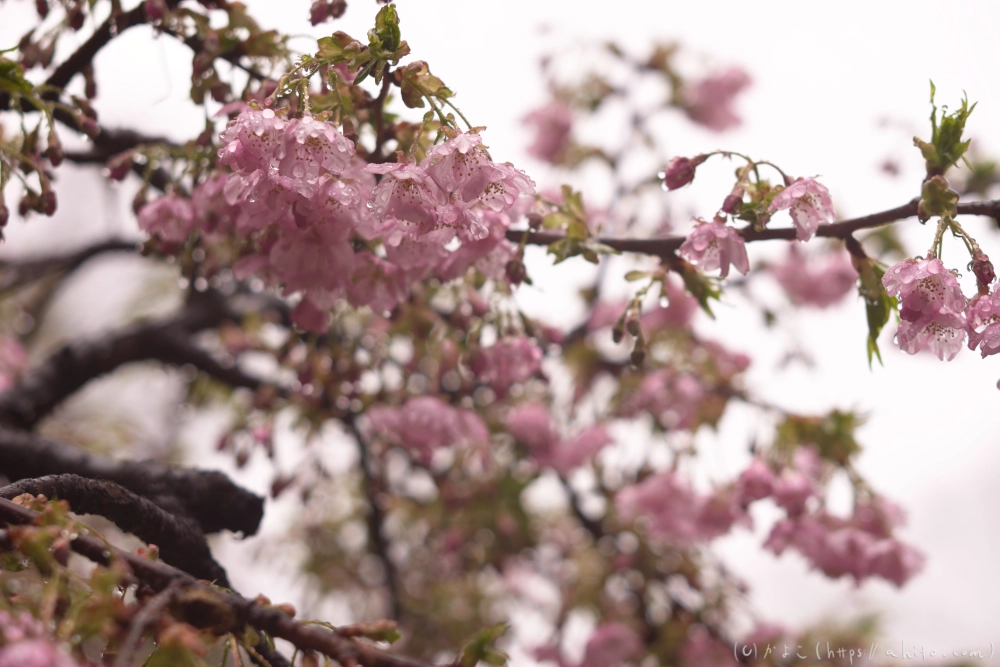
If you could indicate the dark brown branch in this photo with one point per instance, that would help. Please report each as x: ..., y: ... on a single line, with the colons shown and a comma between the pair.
x: 207, y: 497
x: 377, y: 542
x: 22, y: 271
x: 72, y: 366
x: 181, y: 542
x: 667, y: 246
x: 240, y: 611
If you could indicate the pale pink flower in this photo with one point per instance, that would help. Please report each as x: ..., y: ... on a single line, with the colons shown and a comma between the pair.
x: 810, y: 206
x: 792, y: 490
x: 611, y: 645
x: 983, y: 322
x: 512, y: 360
x: 406, y: 194
x: 667, y: 503
x: 376, y: 283
x: 815, y: 281
x: 316, y: 258
x: 170, y: 218
x: 713, y: 245
x: 253, y: 140
x: 13, y: 360
x: 756, y: 482
x: 531, y: 424
x: 508, y: 186
x: 553, y: 125
x: 894, y: 561
x: 310, y: 317
x: 925, y: 287
x: 709, y: 102
x: 941, y: 334
x: 584, y: 446
x: 703, y: 650
x: 672, y: 398
x: 313, y: 148
x: 461, y: 167
x: 425, y: 424
x: 34, y: 653
x: 720, y: 511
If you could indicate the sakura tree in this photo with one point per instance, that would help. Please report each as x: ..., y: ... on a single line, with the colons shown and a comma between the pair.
x: 350, y: 253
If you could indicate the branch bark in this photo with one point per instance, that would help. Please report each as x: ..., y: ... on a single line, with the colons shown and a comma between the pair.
x: 179, y: 538
x: 207, y: 497
x: 239, y: 610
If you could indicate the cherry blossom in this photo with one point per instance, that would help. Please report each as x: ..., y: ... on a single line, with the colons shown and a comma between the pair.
x: 680, y: 171
x: 756, y: 482
x: 925, y: 287
x: 983, y: 321
x: 709, y: 101
x: 169, y: 218
x: 426, y: 424
x: 815, y: 281
x: 34, y: 653
x: 809, y: 204
x: 553, y: 125
x: 611, y: 645
x: 713, y: 245
x: 510, y: 361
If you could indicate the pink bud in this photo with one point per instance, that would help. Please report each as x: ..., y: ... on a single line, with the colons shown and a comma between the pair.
x: 680, y: 171
x: 983, y: 269
x: 47, y: 203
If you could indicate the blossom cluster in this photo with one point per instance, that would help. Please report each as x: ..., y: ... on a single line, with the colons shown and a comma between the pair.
x: 313, y: 219
x: 24, y: 643
x: 815, y: 281
x: 425, y: 424
x: 532, y: 426
x: 861, y: 546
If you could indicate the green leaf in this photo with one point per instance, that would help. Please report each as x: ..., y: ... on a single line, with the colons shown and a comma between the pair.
x: 878, y: 304
x: 481, y: 648
x: 632, y: 276
x: 946, y: 147
x: 384, y: 38
x: 700, y: 286
x: 12, y: 79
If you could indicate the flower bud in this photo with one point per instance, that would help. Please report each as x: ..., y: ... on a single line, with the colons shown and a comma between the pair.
x: 515, y: 272
x: 155, y: 10
x: 680, y: 171
x: 983, y: 269
x: 54, y: 151
x: 89, y: 127
x: 534, y: 221
x: 75, y: 17
x: 42, y: 7
x: 731, y: 204
x: 4, y: 215
x: 47, y: 203
x: 632, y: 326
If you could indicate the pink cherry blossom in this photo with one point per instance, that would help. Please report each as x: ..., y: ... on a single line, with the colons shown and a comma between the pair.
x: 672, y: 398
x: 531, y: 424
x: 792, y: 490
x: 460, y: 167
x: 703, y: 650
x: 675, y: 513
x: 713, y: 245
x: 170, y: 218
x: 407, y: 194
x: 895, y: 561
x: 34, y: 653
x: 376, y: 283
x: 941, y: 334
x: 553, y: 125
x: 611, y: 645
x: 425, y: 424
x: 253, y: 140
x: 925, y: 287
x: 510, y: 361
x: 679, y: 172
x: 983, y: 321
x: 316, y: 258
x: 810, y: 206
x: 709, y: 102
x: 584, y: 446
x: 756, y: 482
x: 815, y: 281
x: 313, y: 148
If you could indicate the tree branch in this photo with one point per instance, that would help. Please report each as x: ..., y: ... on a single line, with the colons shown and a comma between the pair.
x: 207, y: 497
x: 179, y: 538
x: 20, y: 272
x: 667, y: 246
x: 240, y: 610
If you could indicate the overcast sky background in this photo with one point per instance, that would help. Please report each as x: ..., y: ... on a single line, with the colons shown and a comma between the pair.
x: 825, y: 76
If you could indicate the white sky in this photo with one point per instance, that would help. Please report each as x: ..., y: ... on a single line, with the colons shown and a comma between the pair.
x: 825, y: 73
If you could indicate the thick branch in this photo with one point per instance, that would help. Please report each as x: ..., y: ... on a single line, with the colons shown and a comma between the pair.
x: 207, y: 497
x: 667, y: 246
x: 241, y: 610
x: 19, y: 272
x: 72, y: 366
x: 179, y: 538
